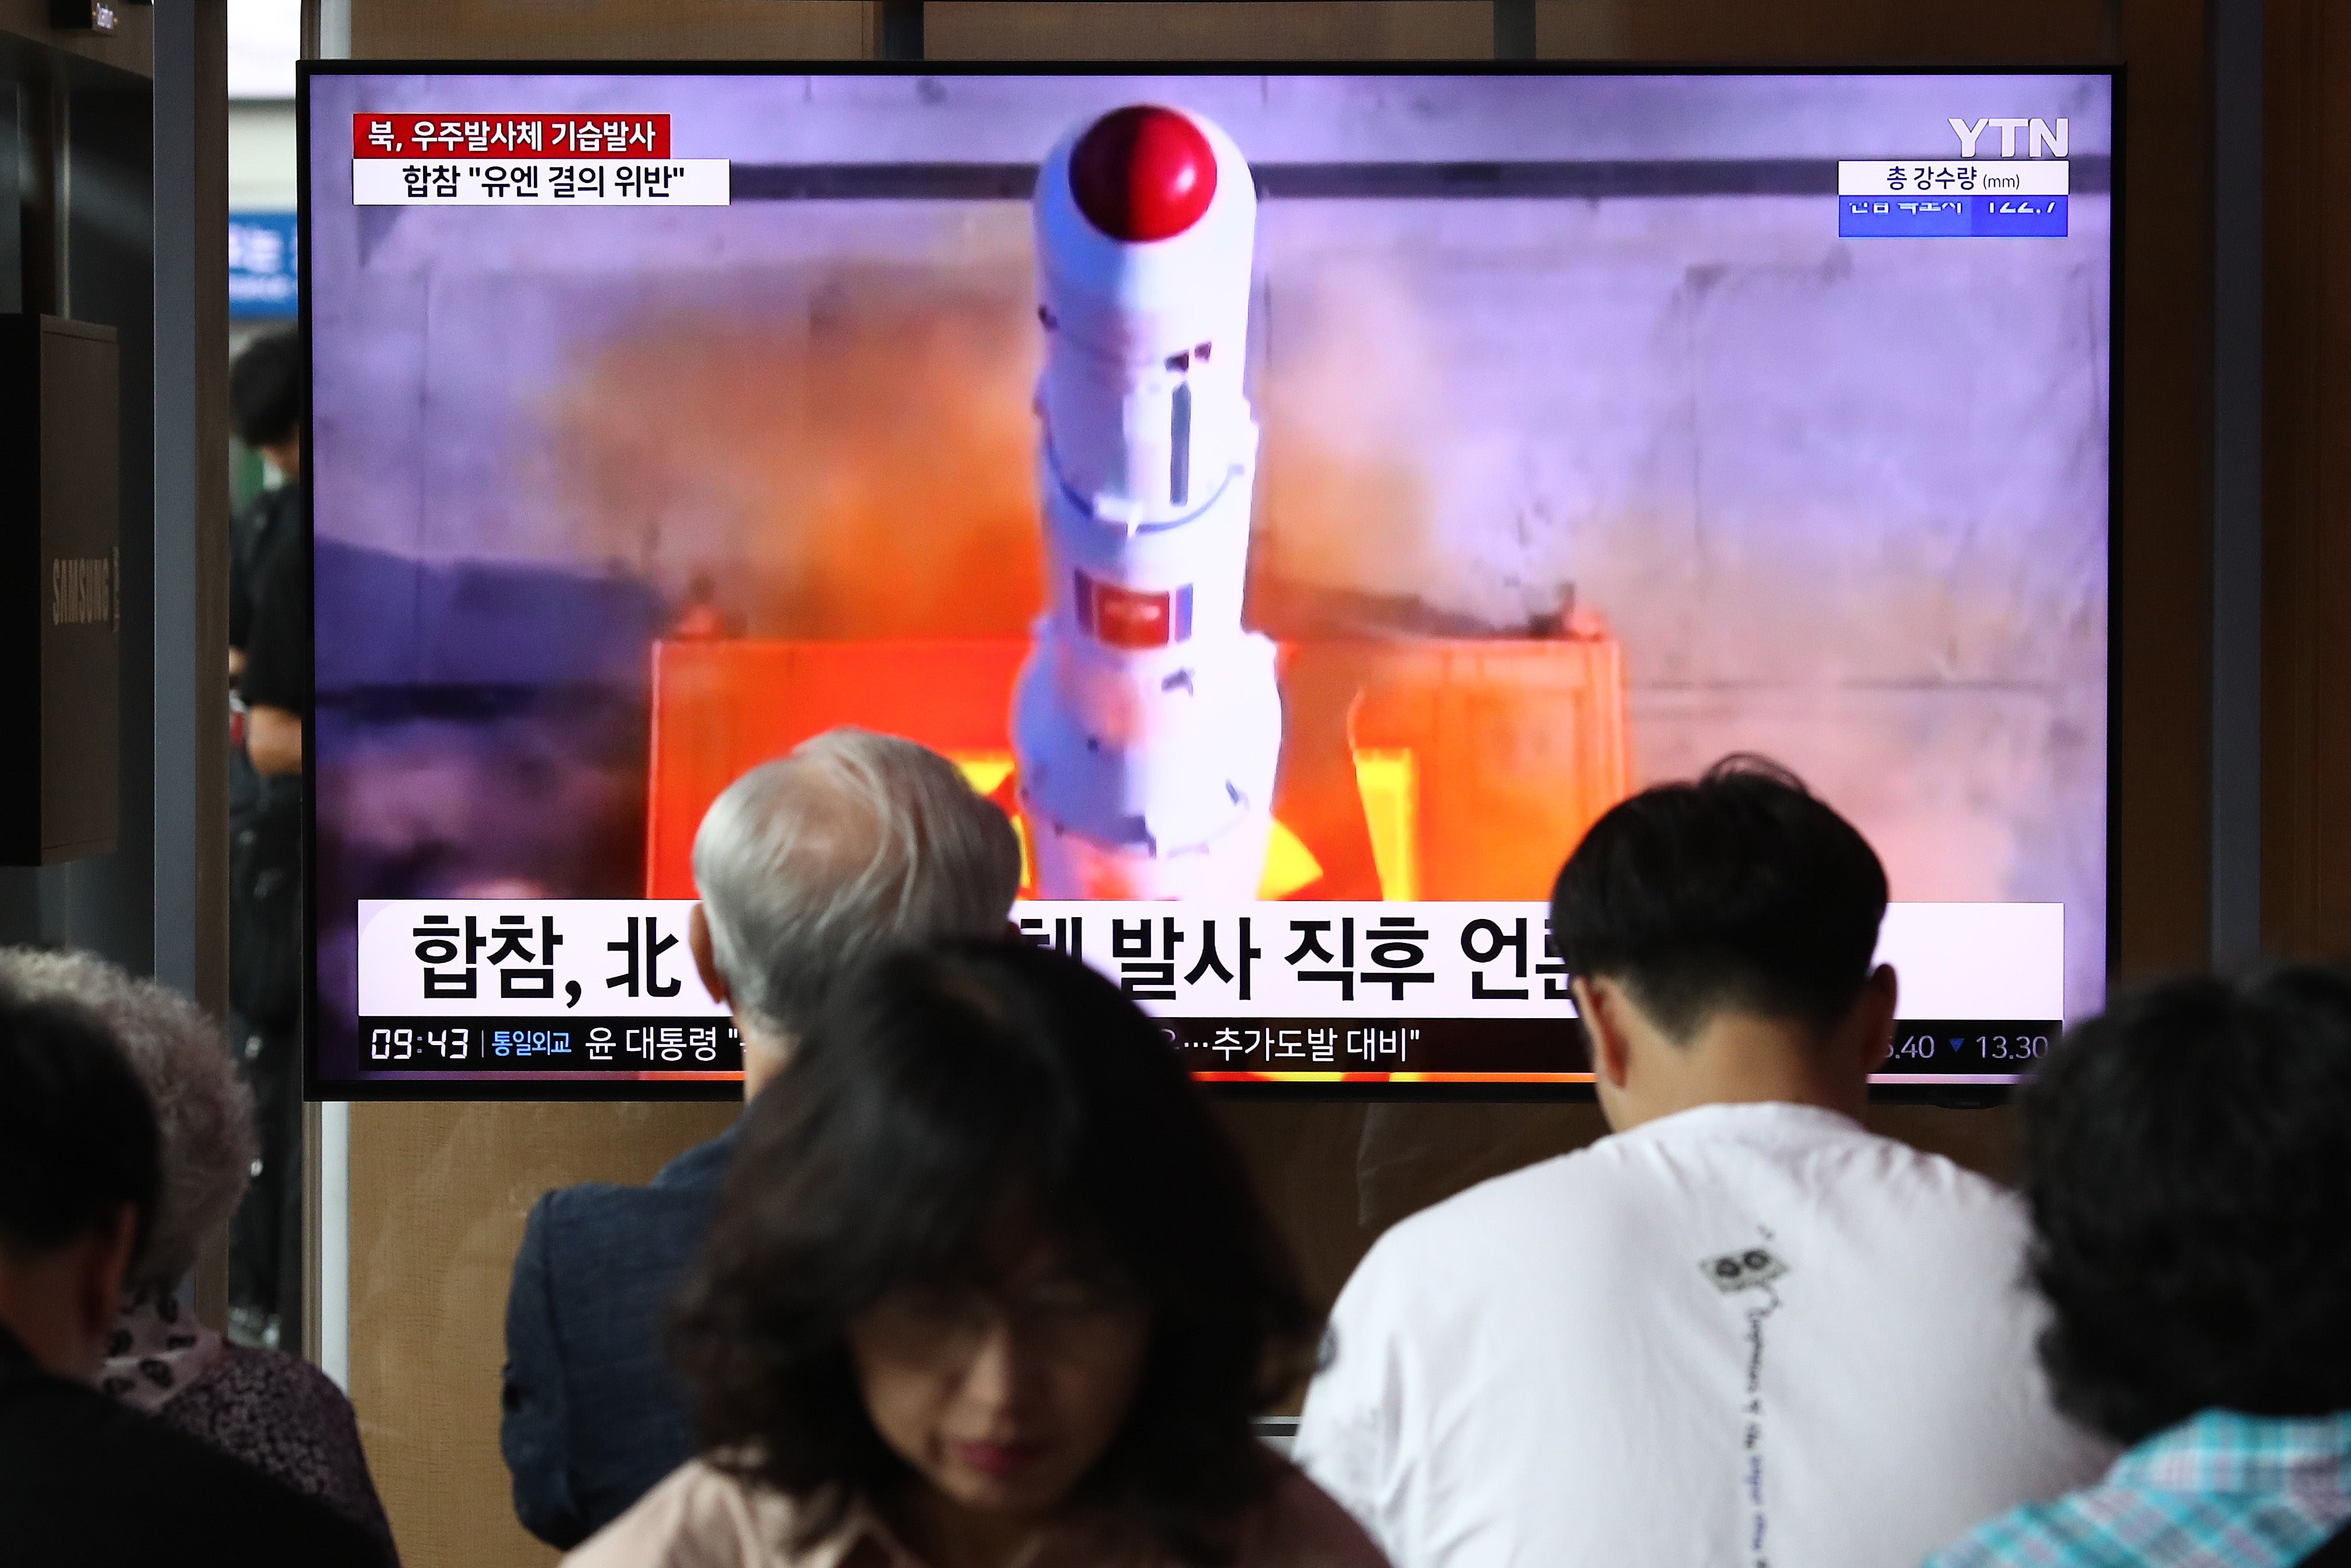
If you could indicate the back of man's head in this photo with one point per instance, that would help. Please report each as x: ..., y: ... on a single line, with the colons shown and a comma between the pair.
x: 2187, y: 1162
x: 78, y: 1137
x: 1740, y: 891
x: 854, y: 842
x: 265, y: 390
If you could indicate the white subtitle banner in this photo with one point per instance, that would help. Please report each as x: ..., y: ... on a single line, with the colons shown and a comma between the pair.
x: 1954, y: 177
x: 554, y: 958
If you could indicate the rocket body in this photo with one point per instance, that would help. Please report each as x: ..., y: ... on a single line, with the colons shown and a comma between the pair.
x: 1147, y: 723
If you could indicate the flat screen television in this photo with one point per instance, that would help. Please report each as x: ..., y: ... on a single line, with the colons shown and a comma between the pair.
x: 1303, y: 499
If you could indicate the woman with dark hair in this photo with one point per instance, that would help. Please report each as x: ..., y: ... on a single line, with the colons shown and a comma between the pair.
x: 2188, y: 1164
x: 987, y: 1286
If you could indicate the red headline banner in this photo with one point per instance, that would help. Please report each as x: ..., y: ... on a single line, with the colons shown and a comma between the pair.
x: 509, y: 135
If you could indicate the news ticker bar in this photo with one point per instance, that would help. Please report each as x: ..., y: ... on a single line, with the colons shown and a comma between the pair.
x: 1501, y: 1050
x: 489, y: 1043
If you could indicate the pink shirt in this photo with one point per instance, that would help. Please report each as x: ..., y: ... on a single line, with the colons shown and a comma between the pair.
x: 703, y: 1518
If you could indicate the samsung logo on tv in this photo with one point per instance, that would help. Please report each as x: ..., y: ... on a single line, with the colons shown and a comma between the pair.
x: 84, y: 591
x: 2043, y: 138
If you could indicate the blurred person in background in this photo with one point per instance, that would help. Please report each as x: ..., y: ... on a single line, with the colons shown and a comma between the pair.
x: 269, y: 665
x: 265, y: 403
x: 989, y: 1286
x: 2188, y: 1165
x: 84, y: 1480
x: 1741, y: 1328
x: 275, y: 1411
x: 806, y: 866
x: 269, y: 550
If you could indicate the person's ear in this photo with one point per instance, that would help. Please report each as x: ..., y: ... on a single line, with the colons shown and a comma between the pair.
x: 706, y: 961
x: 1881, y: 995
x: 98, y: 1283
x: 1600, y: 1006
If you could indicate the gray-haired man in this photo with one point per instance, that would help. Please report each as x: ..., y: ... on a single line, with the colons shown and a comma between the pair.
x: 806, y: 865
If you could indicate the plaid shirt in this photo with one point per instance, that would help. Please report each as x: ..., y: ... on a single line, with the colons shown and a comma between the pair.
x: 2218, y: 1490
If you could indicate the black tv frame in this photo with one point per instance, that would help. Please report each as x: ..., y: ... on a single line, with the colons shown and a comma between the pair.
x: 1467, y: 180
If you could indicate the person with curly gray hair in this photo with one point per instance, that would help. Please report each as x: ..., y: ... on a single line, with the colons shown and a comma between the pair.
x: 273, y: 1411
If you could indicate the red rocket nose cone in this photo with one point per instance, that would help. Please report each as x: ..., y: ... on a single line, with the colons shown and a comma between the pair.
x: 1142, y: 173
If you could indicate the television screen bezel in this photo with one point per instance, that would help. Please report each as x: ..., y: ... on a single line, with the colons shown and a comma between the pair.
x: 524, y: 1088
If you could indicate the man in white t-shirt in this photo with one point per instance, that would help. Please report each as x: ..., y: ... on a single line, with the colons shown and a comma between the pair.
x: 1742, y: 1330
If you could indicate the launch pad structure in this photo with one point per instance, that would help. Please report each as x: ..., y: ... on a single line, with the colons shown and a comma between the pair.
x: 1412, y: 768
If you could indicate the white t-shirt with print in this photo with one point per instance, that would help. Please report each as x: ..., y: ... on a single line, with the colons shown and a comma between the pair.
x: 1740, y: 1336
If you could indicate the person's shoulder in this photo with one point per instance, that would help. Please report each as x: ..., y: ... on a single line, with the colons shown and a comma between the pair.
x: 698, y: 1515
x: 700, y: 1171
x: 590, y: 1211
x: 2069, y: 1531
x: 278, y: 512
x: 1827, y: 1155
x: 276, y: 1392
x: 197, y: 1492
x: 279, y: 1392
x: 1913, y: 1180
x: 272, y: 1373
x: 249, y: 522
x: 281, y: 551
x: 1300, y: 1525
x: 1475, y: 1227
x: 693, y: 1176
x: 47, y: 1420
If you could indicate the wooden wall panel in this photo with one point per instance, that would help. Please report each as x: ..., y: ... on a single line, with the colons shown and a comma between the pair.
x: 1173, y: 30
x: 2306, y: 537
x: 1855, y: 32
x: 615, y: 30
x: 2163, y: 576
x: 438, y: 1197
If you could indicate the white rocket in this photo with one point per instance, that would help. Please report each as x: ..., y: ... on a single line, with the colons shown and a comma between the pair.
x: 1147, y: 723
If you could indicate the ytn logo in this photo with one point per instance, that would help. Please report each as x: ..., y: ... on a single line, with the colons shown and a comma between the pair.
x: 2041, y: 136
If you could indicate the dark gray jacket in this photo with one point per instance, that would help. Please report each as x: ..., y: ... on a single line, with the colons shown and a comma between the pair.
x: 593, y: 1415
